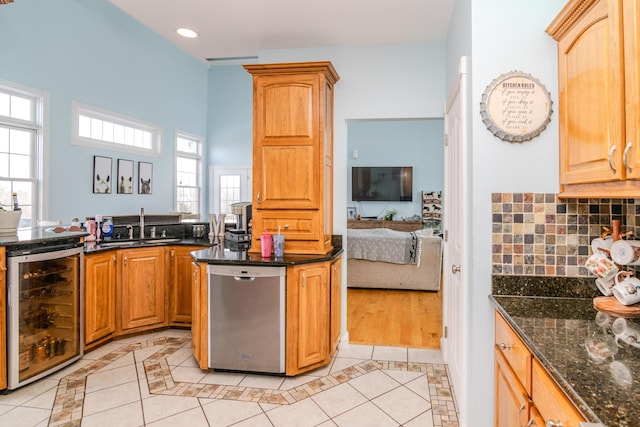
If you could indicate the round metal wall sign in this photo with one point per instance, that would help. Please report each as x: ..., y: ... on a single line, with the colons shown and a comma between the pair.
x: 516, y: 107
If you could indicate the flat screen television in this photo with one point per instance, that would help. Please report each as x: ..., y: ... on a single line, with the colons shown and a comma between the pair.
x: 382, y: 184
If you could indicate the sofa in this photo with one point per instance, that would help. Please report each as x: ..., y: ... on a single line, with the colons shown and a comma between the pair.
x: 422, y: 275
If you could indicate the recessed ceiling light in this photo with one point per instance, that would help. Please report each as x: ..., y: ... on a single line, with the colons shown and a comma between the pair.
x: 185, y: 32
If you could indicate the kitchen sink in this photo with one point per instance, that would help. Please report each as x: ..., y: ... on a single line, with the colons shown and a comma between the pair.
x: 118, y: 244
x: 154, y: 241
x: 145, y: 242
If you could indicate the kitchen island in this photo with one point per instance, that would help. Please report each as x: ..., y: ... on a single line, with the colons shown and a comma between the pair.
x: 312, y: 300
x: 596, y: 369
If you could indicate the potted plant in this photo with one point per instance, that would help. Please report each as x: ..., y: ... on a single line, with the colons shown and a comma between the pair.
x: 389, y: 215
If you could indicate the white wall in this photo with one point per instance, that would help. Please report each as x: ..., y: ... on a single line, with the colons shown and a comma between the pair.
x: 503, y: 36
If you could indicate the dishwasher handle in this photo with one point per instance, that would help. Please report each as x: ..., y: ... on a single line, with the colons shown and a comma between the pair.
x: 244, y: 278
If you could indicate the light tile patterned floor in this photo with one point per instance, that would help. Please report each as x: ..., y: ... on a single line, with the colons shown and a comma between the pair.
x: 153, y: 380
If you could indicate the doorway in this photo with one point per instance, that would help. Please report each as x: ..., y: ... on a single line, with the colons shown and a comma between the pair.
x: 396, y: 317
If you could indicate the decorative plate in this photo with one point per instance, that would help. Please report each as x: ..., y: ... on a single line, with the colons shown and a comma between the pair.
x: 516, y: 107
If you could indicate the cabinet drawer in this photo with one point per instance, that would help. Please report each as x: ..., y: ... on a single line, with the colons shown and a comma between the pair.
x: 295, y: 225
x: 514, y: 351
x: 551, y: 400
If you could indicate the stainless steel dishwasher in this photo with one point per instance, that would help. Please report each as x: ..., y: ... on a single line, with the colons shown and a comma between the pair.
x: 247, y: 318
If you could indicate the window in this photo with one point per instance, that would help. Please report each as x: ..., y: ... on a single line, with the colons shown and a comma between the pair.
x: 101, y: 129
x: 21, y: 145
x: 230, y: 185
x: 188, y: 174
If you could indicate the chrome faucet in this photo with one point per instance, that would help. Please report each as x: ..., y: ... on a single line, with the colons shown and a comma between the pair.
x: 130, y: 230
x: 142, y: 223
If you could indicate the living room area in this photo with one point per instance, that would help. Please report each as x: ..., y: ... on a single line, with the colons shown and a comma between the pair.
x: 394, y: 302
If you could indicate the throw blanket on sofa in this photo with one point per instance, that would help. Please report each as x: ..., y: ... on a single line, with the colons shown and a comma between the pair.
x: 383, y: 244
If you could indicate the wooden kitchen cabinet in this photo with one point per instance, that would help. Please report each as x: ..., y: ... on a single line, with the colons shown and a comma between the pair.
x: 293, y: 154
x: 142, y: 284
x: 512, y: 400
x: 599, y: 97
x: 550, y: 402
x: 336, y: 301
x: 3, y: 318
x: 99, y: 297
x: 525, y: 394
x: 180, y: 287
x: 199, y: 314
x: 308, y: 317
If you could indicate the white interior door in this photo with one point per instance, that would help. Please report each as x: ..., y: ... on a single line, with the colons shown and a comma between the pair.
x: 455, y: 262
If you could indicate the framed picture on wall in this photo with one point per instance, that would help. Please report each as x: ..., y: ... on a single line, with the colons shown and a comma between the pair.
x: 125, y: 176
x: 145, y: 177
x: 102, y: 175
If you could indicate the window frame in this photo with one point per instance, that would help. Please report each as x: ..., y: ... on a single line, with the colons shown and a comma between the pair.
x: 199, y: 180
x: 78, y: 109
x: 40, y: 125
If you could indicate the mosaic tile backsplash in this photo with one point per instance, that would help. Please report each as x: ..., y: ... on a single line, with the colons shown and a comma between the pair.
x: 539, y: 234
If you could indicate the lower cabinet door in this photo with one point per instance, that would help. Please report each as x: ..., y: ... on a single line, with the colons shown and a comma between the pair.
x: 550, y: 400
x: 99, y: 296
x: 143, y: 288
x: 308, y: 318
x: 512, y: 402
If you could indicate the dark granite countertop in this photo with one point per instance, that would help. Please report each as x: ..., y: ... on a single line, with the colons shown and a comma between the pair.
x: 598, y: 370
x: 38, y: 239
x: 109, y: 245
x: 221, y: 255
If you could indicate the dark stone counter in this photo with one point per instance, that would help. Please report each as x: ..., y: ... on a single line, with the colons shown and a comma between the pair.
x: 39, y: 239
x: 221, y: 255
x: 599, y: 370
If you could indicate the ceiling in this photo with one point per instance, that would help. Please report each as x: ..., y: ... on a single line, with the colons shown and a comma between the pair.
x: 237, y: 29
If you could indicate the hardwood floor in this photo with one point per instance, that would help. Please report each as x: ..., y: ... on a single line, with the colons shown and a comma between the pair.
x: 394, y: 318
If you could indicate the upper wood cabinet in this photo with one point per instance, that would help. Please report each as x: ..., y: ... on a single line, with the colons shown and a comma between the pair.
x: 293, y: 154
x: 599, y: 97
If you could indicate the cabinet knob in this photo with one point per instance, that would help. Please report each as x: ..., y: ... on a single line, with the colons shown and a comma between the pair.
x: 286, y: 226
x: 550, y: 423
x: 125, y: 261
x: 258, y: 198
x: 504, y: 346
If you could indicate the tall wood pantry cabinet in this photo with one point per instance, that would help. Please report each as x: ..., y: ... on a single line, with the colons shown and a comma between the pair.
x: 599, y: 97
x: 293, y: 154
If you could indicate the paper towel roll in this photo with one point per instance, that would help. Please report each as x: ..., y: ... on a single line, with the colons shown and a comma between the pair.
x: 626, y: 252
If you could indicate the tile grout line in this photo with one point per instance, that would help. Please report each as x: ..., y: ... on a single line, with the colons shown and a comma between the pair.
x: 68, y: 404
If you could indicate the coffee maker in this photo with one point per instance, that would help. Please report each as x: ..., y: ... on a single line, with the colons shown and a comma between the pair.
x: 242, y: 232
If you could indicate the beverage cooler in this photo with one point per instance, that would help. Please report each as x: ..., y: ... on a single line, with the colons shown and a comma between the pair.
x: 44, y: 312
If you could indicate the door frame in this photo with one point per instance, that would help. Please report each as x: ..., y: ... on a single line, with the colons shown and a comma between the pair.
x: 455, y: 341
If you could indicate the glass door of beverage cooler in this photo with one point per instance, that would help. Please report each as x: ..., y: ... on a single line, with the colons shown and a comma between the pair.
x: 44, y: 319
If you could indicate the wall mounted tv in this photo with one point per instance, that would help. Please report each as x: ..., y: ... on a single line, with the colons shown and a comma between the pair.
x: 382, y: 184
